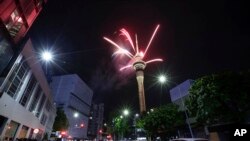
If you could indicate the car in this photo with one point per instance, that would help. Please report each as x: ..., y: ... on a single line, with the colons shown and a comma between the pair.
x: 190, y: 139
x: 141, y: 138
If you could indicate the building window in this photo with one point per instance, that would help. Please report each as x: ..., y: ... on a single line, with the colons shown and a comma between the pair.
x: 34, y: 101
x: 29, y: 11
x: 23, y: 132
x: 40, y: 106
x: 38, y: 3
x: 31, y: 133
x: 28, y: 91
x: 14, y: 23
x: 3, y: 122
x: 11, y: 130
x: 43, y: 119
x: 39, y: 135
x: 16, y: 78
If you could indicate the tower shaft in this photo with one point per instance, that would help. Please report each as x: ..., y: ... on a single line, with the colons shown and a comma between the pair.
x: 140, y: 79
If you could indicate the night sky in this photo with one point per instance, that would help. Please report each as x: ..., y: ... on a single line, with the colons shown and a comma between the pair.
x: 195, y: 38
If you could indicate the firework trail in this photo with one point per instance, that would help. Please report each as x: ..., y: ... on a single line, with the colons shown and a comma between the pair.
x: 137, y: 62
x: 136, y: 55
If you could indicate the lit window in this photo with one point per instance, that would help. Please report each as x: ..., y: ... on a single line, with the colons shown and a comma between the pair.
x: 14, y: 23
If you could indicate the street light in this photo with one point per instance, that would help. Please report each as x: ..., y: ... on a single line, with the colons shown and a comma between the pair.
x: 163, y: 79
x: 125, y: 112
x: 76, y: 115
x: 47, y: 56
x: 136, y: 115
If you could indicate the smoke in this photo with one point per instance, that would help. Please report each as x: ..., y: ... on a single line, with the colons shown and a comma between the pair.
x: 108, y: 77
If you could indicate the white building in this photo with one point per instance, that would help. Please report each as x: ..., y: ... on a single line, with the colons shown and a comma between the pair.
x: 26, y: 102
x: 71, y: 93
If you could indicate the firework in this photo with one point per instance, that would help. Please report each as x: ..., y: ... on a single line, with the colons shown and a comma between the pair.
x: 136, y: 54
x: 136, y: 60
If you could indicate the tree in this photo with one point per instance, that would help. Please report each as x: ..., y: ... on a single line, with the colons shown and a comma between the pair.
x: 163, y: 119
x: 61, y: 122
x: 120, y: 126
x: 220, y: 98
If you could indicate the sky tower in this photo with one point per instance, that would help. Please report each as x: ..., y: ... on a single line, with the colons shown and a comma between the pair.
x: 139, y: 66
x: 136, y: 62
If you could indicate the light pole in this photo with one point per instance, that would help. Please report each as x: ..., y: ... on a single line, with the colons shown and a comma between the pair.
x: 136, y: 116
x: 125, y: 112
x: 185, y: 111
x: 47, y: 56
x: 163, y: 79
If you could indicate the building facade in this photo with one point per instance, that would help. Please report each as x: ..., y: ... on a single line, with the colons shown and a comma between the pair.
x: 16, y: 18
x: 95, y: 120
x: 26, y: 103
x: 75, y: 97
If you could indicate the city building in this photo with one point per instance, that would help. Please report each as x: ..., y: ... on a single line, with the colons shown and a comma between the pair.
x: 16, y: 18
x: 75, y: 97
x: 178, y: 95
x: 23, y: 91
x: 95, y: 120
x: 26, y: 103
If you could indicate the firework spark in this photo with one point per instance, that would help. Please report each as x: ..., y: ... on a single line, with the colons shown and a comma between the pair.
x: 137, y: 54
